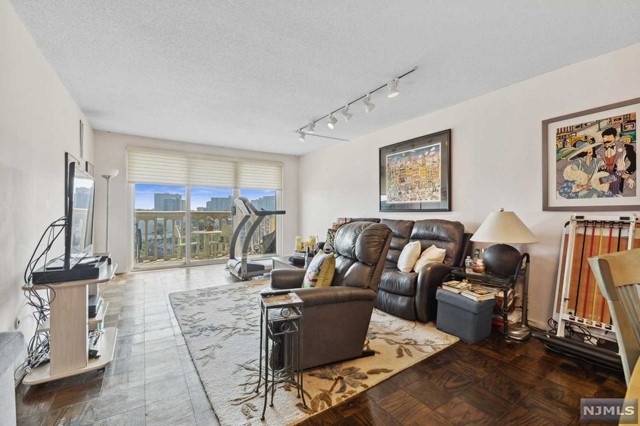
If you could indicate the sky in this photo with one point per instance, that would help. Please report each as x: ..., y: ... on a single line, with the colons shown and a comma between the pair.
x: 199, y: 196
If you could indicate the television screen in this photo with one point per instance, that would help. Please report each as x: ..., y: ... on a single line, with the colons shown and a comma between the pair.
x: 79, y: 229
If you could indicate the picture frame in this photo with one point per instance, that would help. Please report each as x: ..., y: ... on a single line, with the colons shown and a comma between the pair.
x: 589, y: 159
x: 415, y: 175
x: 89, y: 168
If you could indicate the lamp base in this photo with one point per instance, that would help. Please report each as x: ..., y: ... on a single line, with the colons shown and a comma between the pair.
x: 501, y: 259
x: 519, y: 332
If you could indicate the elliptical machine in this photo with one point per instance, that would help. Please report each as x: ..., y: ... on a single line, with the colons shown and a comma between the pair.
x: 244, y: 268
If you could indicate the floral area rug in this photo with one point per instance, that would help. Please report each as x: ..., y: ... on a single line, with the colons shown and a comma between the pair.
x: 221, y: 326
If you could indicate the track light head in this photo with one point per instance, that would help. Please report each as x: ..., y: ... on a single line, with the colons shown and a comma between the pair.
x: 368, y: 105
x: 392, y: 87
x: 301, y: 136
x: 332, y: 122
x: 311, y: 128
x: 346, y: 114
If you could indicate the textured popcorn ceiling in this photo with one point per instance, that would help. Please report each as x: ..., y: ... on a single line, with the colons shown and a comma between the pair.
x: 245, y: 74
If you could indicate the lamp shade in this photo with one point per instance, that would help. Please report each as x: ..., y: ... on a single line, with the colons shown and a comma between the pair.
x: 110, y: 173
x: 503, y: 227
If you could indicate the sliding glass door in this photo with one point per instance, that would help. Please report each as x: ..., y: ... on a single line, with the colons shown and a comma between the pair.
x: 211, y: 223
x: 159, y: 217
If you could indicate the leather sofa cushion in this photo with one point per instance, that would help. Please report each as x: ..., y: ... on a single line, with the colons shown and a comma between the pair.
x: 397, y: 282
x: 397, y: 305
x: 441, y: 233
x: 400, y: 234
x: 361, y: 241
x: 357, y: 247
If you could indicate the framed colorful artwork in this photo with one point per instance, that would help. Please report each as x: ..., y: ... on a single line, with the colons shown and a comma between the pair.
x: 415, y: 175
x: 589, y: 159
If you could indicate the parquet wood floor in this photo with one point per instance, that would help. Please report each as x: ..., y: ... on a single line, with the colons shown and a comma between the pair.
x: 153, y: 381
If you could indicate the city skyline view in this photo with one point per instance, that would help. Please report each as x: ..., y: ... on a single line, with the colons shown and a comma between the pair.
x: 145, y: 194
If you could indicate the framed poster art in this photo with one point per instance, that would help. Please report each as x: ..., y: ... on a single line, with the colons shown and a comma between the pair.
x: 415, y: 175
x: 589, y: 159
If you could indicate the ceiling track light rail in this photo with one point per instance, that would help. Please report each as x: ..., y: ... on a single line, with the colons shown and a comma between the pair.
x: 392, y: 87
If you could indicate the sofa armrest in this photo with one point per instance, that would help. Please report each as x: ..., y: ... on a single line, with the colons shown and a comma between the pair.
x: 429, y: 278
x: 332, y: 295
x: 287, y: 278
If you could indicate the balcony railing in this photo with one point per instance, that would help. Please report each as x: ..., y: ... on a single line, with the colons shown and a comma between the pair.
x: 161, y: 236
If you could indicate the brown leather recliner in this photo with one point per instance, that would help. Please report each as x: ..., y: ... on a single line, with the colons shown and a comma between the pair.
x: 412, y: 295
x: 336, y: 319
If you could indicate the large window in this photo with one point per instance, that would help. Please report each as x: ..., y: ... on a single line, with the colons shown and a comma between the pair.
x: 264, y: 239
x: 159, y: 224
x: 174, y: 189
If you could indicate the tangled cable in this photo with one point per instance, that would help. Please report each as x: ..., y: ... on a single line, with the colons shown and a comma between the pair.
x: 39, y: 300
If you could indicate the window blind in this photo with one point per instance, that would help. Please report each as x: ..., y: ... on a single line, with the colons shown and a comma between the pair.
x: 179, y: 168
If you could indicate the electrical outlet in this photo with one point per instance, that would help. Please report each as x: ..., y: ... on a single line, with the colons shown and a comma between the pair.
x: 16, y: 323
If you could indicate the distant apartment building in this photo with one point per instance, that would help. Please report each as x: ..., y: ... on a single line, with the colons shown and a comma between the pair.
x: 265, y: 203
x: 168, y: 202
x: 219, y: 204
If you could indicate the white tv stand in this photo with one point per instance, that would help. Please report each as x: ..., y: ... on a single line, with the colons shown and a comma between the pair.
x: 69, y: 329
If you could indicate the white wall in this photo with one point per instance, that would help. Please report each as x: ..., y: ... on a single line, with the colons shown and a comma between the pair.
x: 38, y: 123
x: 111, y: 153
x: 496, y: 159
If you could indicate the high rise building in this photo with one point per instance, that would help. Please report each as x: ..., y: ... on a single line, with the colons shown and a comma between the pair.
x: 167, y: 202
x: 219, y: 204
x: 265, y: 203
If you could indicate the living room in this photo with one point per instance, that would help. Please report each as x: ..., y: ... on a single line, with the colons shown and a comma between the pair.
x: 492, y: 77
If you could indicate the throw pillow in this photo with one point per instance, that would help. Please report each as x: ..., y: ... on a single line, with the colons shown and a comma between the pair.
x: 410, y: 253
x: 320, y: 271
x: 432, y: 254
x: 328, y: 244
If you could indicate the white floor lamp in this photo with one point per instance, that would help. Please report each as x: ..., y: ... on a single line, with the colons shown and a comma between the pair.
x: 108, y: 175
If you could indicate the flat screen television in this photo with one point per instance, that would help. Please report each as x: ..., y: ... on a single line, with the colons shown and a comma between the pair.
x: 79, y: 224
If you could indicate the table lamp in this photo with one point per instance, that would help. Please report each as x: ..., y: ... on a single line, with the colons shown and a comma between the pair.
x: 504, y: 228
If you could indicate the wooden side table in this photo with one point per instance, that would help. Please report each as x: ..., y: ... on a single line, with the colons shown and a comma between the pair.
x: 280, y: 318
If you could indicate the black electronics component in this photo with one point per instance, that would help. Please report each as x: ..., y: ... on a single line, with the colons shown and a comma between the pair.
x: 81, y: 271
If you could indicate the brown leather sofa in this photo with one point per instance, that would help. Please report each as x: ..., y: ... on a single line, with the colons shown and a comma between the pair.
x: 336, y: 318
x: 412, y: 295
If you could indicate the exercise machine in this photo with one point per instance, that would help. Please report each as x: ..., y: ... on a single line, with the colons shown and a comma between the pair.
x: 244, y: 268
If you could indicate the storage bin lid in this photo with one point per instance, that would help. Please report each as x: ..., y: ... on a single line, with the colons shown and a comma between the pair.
x: 462, y: 302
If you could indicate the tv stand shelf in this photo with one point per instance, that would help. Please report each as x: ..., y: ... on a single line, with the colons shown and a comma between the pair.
x: 94, y: 323
x: 69, y: 330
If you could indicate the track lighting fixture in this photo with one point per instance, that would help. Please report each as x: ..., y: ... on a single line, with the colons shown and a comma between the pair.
x: 392, y: 92
x: 346, y: 114
x: 332, y: 122
x: 311, y: 127
x: 368, y: 105
x: 392, y: 86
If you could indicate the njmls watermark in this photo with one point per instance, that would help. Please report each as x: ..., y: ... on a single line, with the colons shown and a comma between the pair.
x: 609, y: 410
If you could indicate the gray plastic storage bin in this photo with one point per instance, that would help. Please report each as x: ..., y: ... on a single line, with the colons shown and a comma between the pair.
x: 463, y: 317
